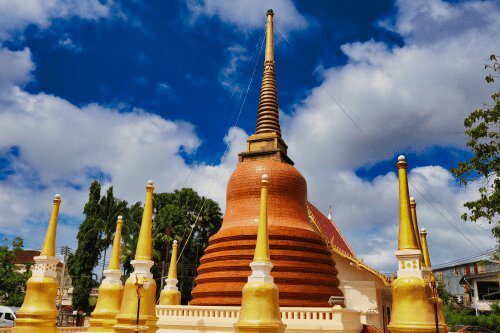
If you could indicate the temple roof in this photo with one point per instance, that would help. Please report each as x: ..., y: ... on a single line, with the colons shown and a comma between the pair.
x: 336, y: 241
x: 330, y: 231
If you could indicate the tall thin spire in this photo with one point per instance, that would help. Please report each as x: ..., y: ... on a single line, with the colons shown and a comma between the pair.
x: 114, y: 263
x: 170, y: 295
x: 425, y: 249
x: 144, y: 249
x: 413, y: 208
x: 49, y: 244
x: 172, y: 270
x: 262, y: 245
x: 406, y: 238
x: 268, y: 115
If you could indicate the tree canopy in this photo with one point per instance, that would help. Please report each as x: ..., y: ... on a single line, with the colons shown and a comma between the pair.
x: 482, y: 130
x: 13, y: 282
x: 181, y: 215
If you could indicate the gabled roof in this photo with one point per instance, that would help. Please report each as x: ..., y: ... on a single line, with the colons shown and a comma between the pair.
x: 25, y: 256
x: 330, y: 231
x: 337, y: 243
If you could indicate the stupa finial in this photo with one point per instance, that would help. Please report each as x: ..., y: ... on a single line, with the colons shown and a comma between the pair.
x: 144, y: 249
x: 114, y: 263
x: 268, y: 115
x: 170, y: 295
x: 413, y: 209
x: 262, y: 246
x: 172, y: 270
x: 425, y: 249
x: 407, y: 239
x: 49, y: 244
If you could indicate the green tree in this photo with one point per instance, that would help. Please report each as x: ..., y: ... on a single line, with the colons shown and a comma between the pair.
x: 12, y: 283
x: 482, y: 129
x: 86, y: 256
x: 190, y: 219
x: 105, y: 222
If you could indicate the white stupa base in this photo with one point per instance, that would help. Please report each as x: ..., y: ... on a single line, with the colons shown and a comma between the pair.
x: 171, y: 285
x: 261, y: 272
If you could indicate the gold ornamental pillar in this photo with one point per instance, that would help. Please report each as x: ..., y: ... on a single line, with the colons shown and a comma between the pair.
x: 137, y: 310
x: 260, y: 311
x: 38, y: 312
x: 412, y: 311
x: 110, y: 295
x: 170, y: 294
x: 433, y: 284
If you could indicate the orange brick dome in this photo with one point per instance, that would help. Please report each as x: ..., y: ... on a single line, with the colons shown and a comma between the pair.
x: 303, y: 266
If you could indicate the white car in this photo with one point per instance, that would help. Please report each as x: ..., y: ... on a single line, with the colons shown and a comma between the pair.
x: 7, y: 317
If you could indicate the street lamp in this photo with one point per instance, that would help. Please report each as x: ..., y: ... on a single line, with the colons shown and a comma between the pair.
x: 435, y: 299
x: 140, y: 282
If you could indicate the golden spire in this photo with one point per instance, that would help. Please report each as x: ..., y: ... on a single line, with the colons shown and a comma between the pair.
x: 114, y: 263
x: 425, y: 249
x: 262, y: 246
x: 38, y: 312
x: 406, y: 238
x: 413, y: 208
x: 268, y: 115
x: 260, y: 310
x: 49, y: 244
x: 110, y: 294
x: 170, y: 295
x: 172, y: 270
x: 144, y: 250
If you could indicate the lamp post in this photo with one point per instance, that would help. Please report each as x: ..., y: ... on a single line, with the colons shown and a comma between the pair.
x: 434, y: 299
x: 140, y: 282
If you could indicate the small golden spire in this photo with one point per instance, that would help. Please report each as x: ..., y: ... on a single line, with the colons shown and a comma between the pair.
x: 268, y: 114
x: 413, y: 208
x: 262, y: 246
x: 49, y: 244
x: 407, y: 239
x: 144, y: 250
x: 114, y: 263
x: 170, y: 295
x: 425, y: 249
x: 172, y: 270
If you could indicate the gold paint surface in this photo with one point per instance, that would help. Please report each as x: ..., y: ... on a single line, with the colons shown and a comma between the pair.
x: 144, y: 249
x: 260, y: 310
x: 262, y: 245
x: 413, y: 208
x: 126, y: 319
x: 107, y: 307
x: 406, y: 239
x: 170, y: 297
x: 425, y: 249
x: 49, y: 243
x: 39, y: 309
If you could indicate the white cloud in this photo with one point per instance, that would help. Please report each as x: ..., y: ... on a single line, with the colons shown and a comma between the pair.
x: 249, y: 14
x: 368, y: 213
x: 62, y: 147
x: 404, y: 99
x: 15, y: 16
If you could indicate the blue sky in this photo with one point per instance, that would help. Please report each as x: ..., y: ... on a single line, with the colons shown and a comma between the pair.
x: 127, y: 91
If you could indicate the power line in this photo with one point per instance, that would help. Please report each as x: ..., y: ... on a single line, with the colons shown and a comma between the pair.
x: 344, y: 109
x: 465, y: 259
x: 225, y: 152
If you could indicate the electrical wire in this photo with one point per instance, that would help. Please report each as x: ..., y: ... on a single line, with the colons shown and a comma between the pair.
x: 348, y: 115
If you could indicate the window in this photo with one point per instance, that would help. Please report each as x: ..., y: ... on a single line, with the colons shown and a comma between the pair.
x: 9, y: 316
x: 467, y: 270
x: 488, y: 290
x: 455, y: 271
x: 475, y: 269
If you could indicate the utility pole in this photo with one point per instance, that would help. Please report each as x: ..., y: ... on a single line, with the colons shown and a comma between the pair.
x: 65, y: 251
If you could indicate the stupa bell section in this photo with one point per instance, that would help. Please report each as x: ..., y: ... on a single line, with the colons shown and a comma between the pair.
x: 303, y: 266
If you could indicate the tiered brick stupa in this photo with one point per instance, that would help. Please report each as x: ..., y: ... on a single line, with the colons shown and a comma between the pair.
x: 303, y: 266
